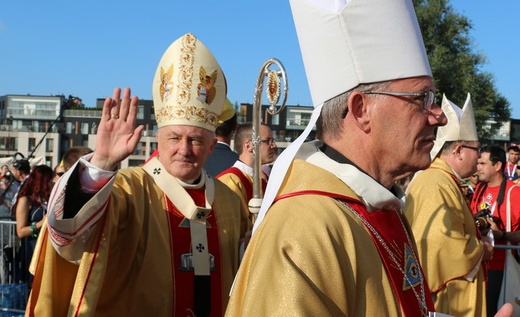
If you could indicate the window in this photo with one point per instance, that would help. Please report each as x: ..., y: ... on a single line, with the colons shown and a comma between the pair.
x: 298, y: 118
x: 49, y: 145
x: 140, y: 112
x: 32, y: 143
x: 17, y: 125
x: 69, y: 128
x: 93, y: 130
x: 140, y: 149
x: 275, y: 120
x: 132, y: 163
x: 84, y: 128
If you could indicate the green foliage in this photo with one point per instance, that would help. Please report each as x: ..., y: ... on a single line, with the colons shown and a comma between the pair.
x: 456, y: 67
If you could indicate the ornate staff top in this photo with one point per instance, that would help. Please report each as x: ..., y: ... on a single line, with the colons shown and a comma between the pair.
x: 273, y: 92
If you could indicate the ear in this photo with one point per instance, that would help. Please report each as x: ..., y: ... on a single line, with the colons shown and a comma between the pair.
x: 359, y: 109
x: 456, y: 151
x: 498, y: 166
x: 248, y: 146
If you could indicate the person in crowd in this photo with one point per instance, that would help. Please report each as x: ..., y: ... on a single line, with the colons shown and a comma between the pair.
x: 511, y: 168
x: 21, y: 170
x: 4, y: 170
x: 449, y: 244
x: 58, y: 172
x: 223, y: 156
x: 472, y: 184
x: 31, y: 209
x: 239, y: 177
x: 8, y: 188
x: 73, y: 154
x: 8, y: 243
x: 330, y: 239
x: 160, y: 239
x: 490, y: 200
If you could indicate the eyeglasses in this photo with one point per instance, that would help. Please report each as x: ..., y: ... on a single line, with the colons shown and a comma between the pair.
x: 268, y: 141
x: 428, y: 97
x: 472, y: 148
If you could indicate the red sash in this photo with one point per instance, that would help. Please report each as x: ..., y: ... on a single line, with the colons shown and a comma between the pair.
x: 248, y: 186
x: 389, y: 234
x: 183, y: 280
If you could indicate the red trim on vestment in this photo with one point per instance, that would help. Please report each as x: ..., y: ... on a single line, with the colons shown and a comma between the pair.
x: 94, y: 257
x: 380, y: 220
x: 66, y: 238
x: 248, y: 185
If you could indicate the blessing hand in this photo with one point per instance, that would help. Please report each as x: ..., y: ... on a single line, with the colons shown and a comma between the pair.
x: 117, y: 135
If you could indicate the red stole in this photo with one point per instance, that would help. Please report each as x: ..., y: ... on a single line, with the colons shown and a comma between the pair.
x: 181, y: 244
x: 248, y: 185
x: 404, y: 271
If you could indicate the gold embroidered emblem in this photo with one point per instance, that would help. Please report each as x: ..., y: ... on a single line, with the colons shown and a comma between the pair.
x: 166, y: 83
x: 206, y: 88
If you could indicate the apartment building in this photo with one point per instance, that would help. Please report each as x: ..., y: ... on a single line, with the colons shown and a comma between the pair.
x: 44, y: 127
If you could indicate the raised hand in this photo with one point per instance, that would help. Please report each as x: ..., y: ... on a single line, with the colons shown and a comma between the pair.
x: 117, y: 135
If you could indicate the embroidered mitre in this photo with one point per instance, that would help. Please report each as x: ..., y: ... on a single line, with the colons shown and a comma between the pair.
x: 189, y: 87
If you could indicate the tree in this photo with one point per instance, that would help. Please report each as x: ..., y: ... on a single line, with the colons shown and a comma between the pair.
x: 456, y: 69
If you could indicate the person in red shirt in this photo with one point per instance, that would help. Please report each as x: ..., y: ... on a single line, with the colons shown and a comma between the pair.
x: 491, y: 197
x: 511, y: 169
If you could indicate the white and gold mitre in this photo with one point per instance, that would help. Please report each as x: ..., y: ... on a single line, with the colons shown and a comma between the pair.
x: 347, y: 43
x: 189, y: 88
x: 460, y: 127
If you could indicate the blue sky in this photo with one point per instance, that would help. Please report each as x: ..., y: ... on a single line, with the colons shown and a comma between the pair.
x: 86, y: 48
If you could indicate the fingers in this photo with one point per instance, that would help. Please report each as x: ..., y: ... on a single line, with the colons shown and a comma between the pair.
x: 115, y: 108
x: 126, y: 104
x: 131, y: 112
x: 109, y: 104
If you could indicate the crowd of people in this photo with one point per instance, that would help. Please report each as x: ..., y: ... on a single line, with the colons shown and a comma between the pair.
x: 380, y: 216
x: 25, y: 193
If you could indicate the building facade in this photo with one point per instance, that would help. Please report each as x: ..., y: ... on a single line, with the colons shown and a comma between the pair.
x: 45, y: 127
x: 30, y: 126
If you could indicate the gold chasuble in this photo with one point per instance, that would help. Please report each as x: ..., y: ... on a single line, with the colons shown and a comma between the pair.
x: 447, y: 240
x: 242, y: 184
x: 320, y: 252
x: 138, y: 258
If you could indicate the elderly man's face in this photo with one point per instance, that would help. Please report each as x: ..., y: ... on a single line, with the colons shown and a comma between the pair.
x: 402, y: 129
x: 183, y: 150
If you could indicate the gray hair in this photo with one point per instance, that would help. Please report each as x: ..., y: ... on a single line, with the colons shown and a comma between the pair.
x: 330, y: 122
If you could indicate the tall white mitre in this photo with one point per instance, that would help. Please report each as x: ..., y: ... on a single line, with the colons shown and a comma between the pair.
x: 460, y: 127
x: 347, y: 43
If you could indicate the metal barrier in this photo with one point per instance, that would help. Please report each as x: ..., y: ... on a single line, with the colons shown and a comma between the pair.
x: 505, y: 246
x: 13, y: 293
